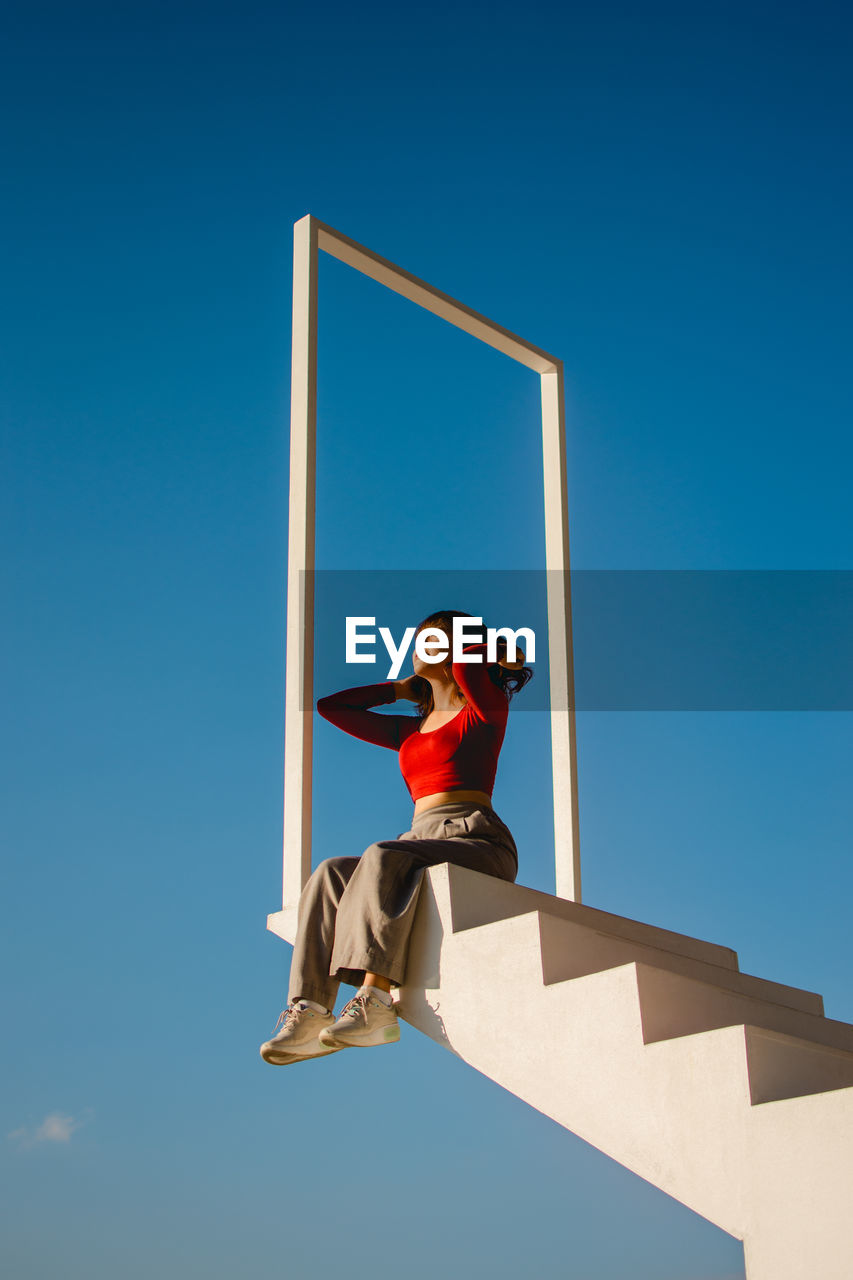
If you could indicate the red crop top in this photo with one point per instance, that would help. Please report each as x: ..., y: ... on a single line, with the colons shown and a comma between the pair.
x: 461, y: 754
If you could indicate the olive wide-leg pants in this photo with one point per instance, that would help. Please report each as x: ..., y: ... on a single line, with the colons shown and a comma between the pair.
x: 356, y: 914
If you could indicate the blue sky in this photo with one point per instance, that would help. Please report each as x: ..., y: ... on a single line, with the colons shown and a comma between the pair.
x: 660, y: 195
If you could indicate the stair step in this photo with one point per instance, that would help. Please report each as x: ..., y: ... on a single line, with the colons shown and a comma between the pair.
x: 478, y: 899
x: 673, y: 1005
x: 753, y: 1066
x: 572, y: 950
x: 783, y: 1066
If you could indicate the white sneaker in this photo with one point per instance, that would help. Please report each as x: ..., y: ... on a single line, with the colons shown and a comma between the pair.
x: 299, y: 1036
x: 365, y: 1020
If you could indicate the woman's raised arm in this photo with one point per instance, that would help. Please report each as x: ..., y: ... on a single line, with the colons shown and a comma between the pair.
x: 487, y: 699
x: 347, y: 710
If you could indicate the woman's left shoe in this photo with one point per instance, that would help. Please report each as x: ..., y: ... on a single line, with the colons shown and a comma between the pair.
x: 365, y: 1021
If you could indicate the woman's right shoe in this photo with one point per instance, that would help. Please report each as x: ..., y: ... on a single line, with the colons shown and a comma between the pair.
x: 298, y: 1038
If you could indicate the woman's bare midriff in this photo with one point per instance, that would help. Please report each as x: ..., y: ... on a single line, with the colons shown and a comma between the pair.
x: 451, y: 797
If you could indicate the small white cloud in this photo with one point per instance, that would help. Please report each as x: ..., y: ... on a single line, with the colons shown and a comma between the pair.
x: 57, y: 1126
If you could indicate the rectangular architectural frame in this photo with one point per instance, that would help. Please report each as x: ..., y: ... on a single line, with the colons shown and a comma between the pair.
x: 309, y: 237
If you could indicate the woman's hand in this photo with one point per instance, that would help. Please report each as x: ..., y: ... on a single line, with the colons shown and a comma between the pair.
x: 411, y: 689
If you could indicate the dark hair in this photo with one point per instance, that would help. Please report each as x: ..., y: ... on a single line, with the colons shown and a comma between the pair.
x: 509, y: 681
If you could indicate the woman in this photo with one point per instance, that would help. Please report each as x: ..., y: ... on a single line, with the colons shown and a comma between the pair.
x: 355, y: 914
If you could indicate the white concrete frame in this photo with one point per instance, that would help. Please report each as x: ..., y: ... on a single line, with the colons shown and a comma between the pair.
x: 310, y: 236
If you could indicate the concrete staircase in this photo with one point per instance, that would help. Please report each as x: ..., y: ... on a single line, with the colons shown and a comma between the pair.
x: 732, y: 1094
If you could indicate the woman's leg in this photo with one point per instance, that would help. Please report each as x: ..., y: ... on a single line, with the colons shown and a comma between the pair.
x: 376, y: 980
x: 312, y: 951
x: 377, y: 909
